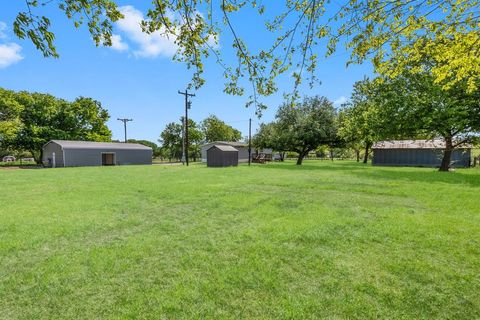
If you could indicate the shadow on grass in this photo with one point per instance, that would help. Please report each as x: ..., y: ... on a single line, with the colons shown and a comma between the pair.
x: 414, y: 174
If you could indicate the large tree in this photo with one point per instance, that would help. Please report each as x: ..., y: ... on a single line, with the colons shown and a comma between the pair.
x: 171, y: 140
x: 307, y: 126
x: 42, y: 117
x: 215, y: 129
x: 419, y: 107
x: 361, y: 122
x: 383, y: 31
x: 172, y: 136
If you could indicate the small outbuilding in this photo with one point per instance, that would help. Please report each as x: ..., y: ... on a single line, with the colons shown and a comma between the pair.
x: 417, y: 153
x: 242, y: 148
x: 222, y: 156
x: 64, y: 153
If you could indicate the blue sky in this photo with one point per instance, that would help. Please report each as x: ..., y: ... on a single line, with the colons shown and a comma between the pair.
x: 136, y: 78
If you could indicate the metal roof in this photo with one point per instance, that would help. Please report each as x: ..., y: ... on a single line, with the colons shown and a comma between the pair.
x: 224, y: 148
x: 412, y: 144
x: 229, y: 143
x: 68, y: 144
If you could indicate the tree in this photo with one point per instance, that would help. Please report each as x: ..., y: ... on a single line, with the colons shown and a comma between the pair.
x: 43, y: 117
x: 195, y: 139
x: 171, y: 140
x: 307, y: 126
x: 10, y: 121
x: 360, y: 120
x: 382, y: 31
x: 269, y: 136
x: 418, y: 106
x: 215, y: 129
x: 147, y: 143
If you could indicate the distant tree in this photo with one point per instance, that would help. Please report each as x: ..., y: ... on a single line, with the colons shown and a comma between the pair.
x: 268, y: 136
x: 147, y: 143
x: 307, y: 126
x: 360, y: 121
x: 215, y: 129
x: 419, y: 107
x: 10, y: 122
x: 195, y: 139
x: 44, y: 117
x: 171, y: 140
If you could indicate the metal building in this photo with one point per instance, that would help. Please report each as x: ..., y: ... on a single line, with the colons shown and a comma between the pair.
x: 242, y: 148
x: 417, y: 153
x: 64, y: 153
x: 222, y: 156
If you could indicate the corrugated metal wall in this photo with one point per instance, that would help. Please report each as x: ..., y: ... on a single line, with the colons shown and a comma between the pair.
x: 219, y: 158
x: 419, y: 157
x: 93, y: 157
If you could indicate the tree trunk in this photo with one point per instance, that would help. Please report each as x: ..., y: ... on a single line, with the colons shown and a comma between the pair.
x: 301, y: 155
x: 282, y: 156
x: 357, y: 153
x: 367, y: 151
x: 331, y: 154
x: 447, y: 154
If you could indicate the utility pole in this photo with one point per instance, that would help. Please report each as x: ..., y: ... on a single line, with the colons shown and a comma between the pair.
x: 249, y: 141
x: 188, y: 105
x: 125, y: 120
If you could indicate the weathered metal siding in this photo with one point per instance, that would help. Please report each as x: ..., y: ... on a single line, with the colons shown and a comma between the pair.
x: 418, y: 157
x: 219, y: 158
x: 48, y: 151
x: 93, y: 157
x: 242, y: 152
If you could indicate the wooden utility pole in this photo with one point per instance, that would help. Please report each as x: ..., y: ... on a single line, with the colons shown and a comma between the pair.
x: 124, y: 120
x: 185, y: 126
x: 249, y: 141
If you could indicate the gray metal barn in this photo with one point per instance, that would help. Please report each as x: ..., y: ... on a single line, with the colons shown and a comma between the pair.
x: 64, y: 153
x: 417, y: 153
x: 222, y: 156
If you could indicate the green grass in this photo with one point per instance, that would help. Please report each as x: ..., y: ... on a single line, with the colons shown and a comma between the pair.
x: 326, y: 240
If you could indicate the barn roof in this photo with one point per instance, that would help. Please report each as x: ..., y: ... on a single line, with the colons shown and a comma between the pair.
x: 412, y: 144
x: 69, y: 144
x: 224, y: 148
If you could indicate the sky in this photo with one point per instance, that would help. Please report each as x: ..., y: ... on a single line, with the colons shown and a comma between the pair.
x: 136, y: 77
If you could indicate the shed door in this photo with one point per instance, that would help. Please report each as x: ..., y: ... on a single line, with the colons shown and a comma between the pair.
x: 108, y: 159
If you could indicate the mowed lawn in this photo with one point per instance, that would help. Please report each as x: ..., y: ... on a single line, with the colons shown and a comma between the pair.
x: 326, y: 240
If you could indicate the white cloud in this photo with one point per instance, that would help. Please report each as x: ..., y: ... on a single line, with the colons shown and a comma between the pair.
x: 9, y: 54
x: 117, y: 43
x: 341, y: 100
x: 149, y: 45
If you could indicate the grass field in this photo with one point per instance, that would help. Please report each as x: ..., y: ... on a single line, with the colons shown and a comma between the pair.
x: 325, y: 240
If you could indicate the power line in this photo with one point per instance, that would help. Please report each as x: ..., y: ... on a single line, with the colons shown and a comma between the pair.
x: 124, y: 120
x: 188, y: 105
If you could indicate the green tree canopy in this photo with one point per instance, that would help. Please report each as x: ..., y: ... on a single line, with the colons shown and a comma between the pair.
x: 417, y: 106
x: 215, y: 129
x: 392, y: 34
x: 301, y: 129
x: 42, y: 117
x: 361, y: 122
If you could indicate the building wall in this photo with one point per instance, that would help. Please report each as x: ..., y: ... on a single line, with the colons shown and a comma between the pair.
x: 242, y: 151
x: 48, y: 151
x: 419, y: 157
x: 219, y: 158
x: 93, y: 157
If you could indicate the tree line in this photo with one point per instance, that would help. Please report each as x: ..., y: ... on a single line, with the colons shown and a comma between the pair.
x: 412, y: 105
x: 29, y: 120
